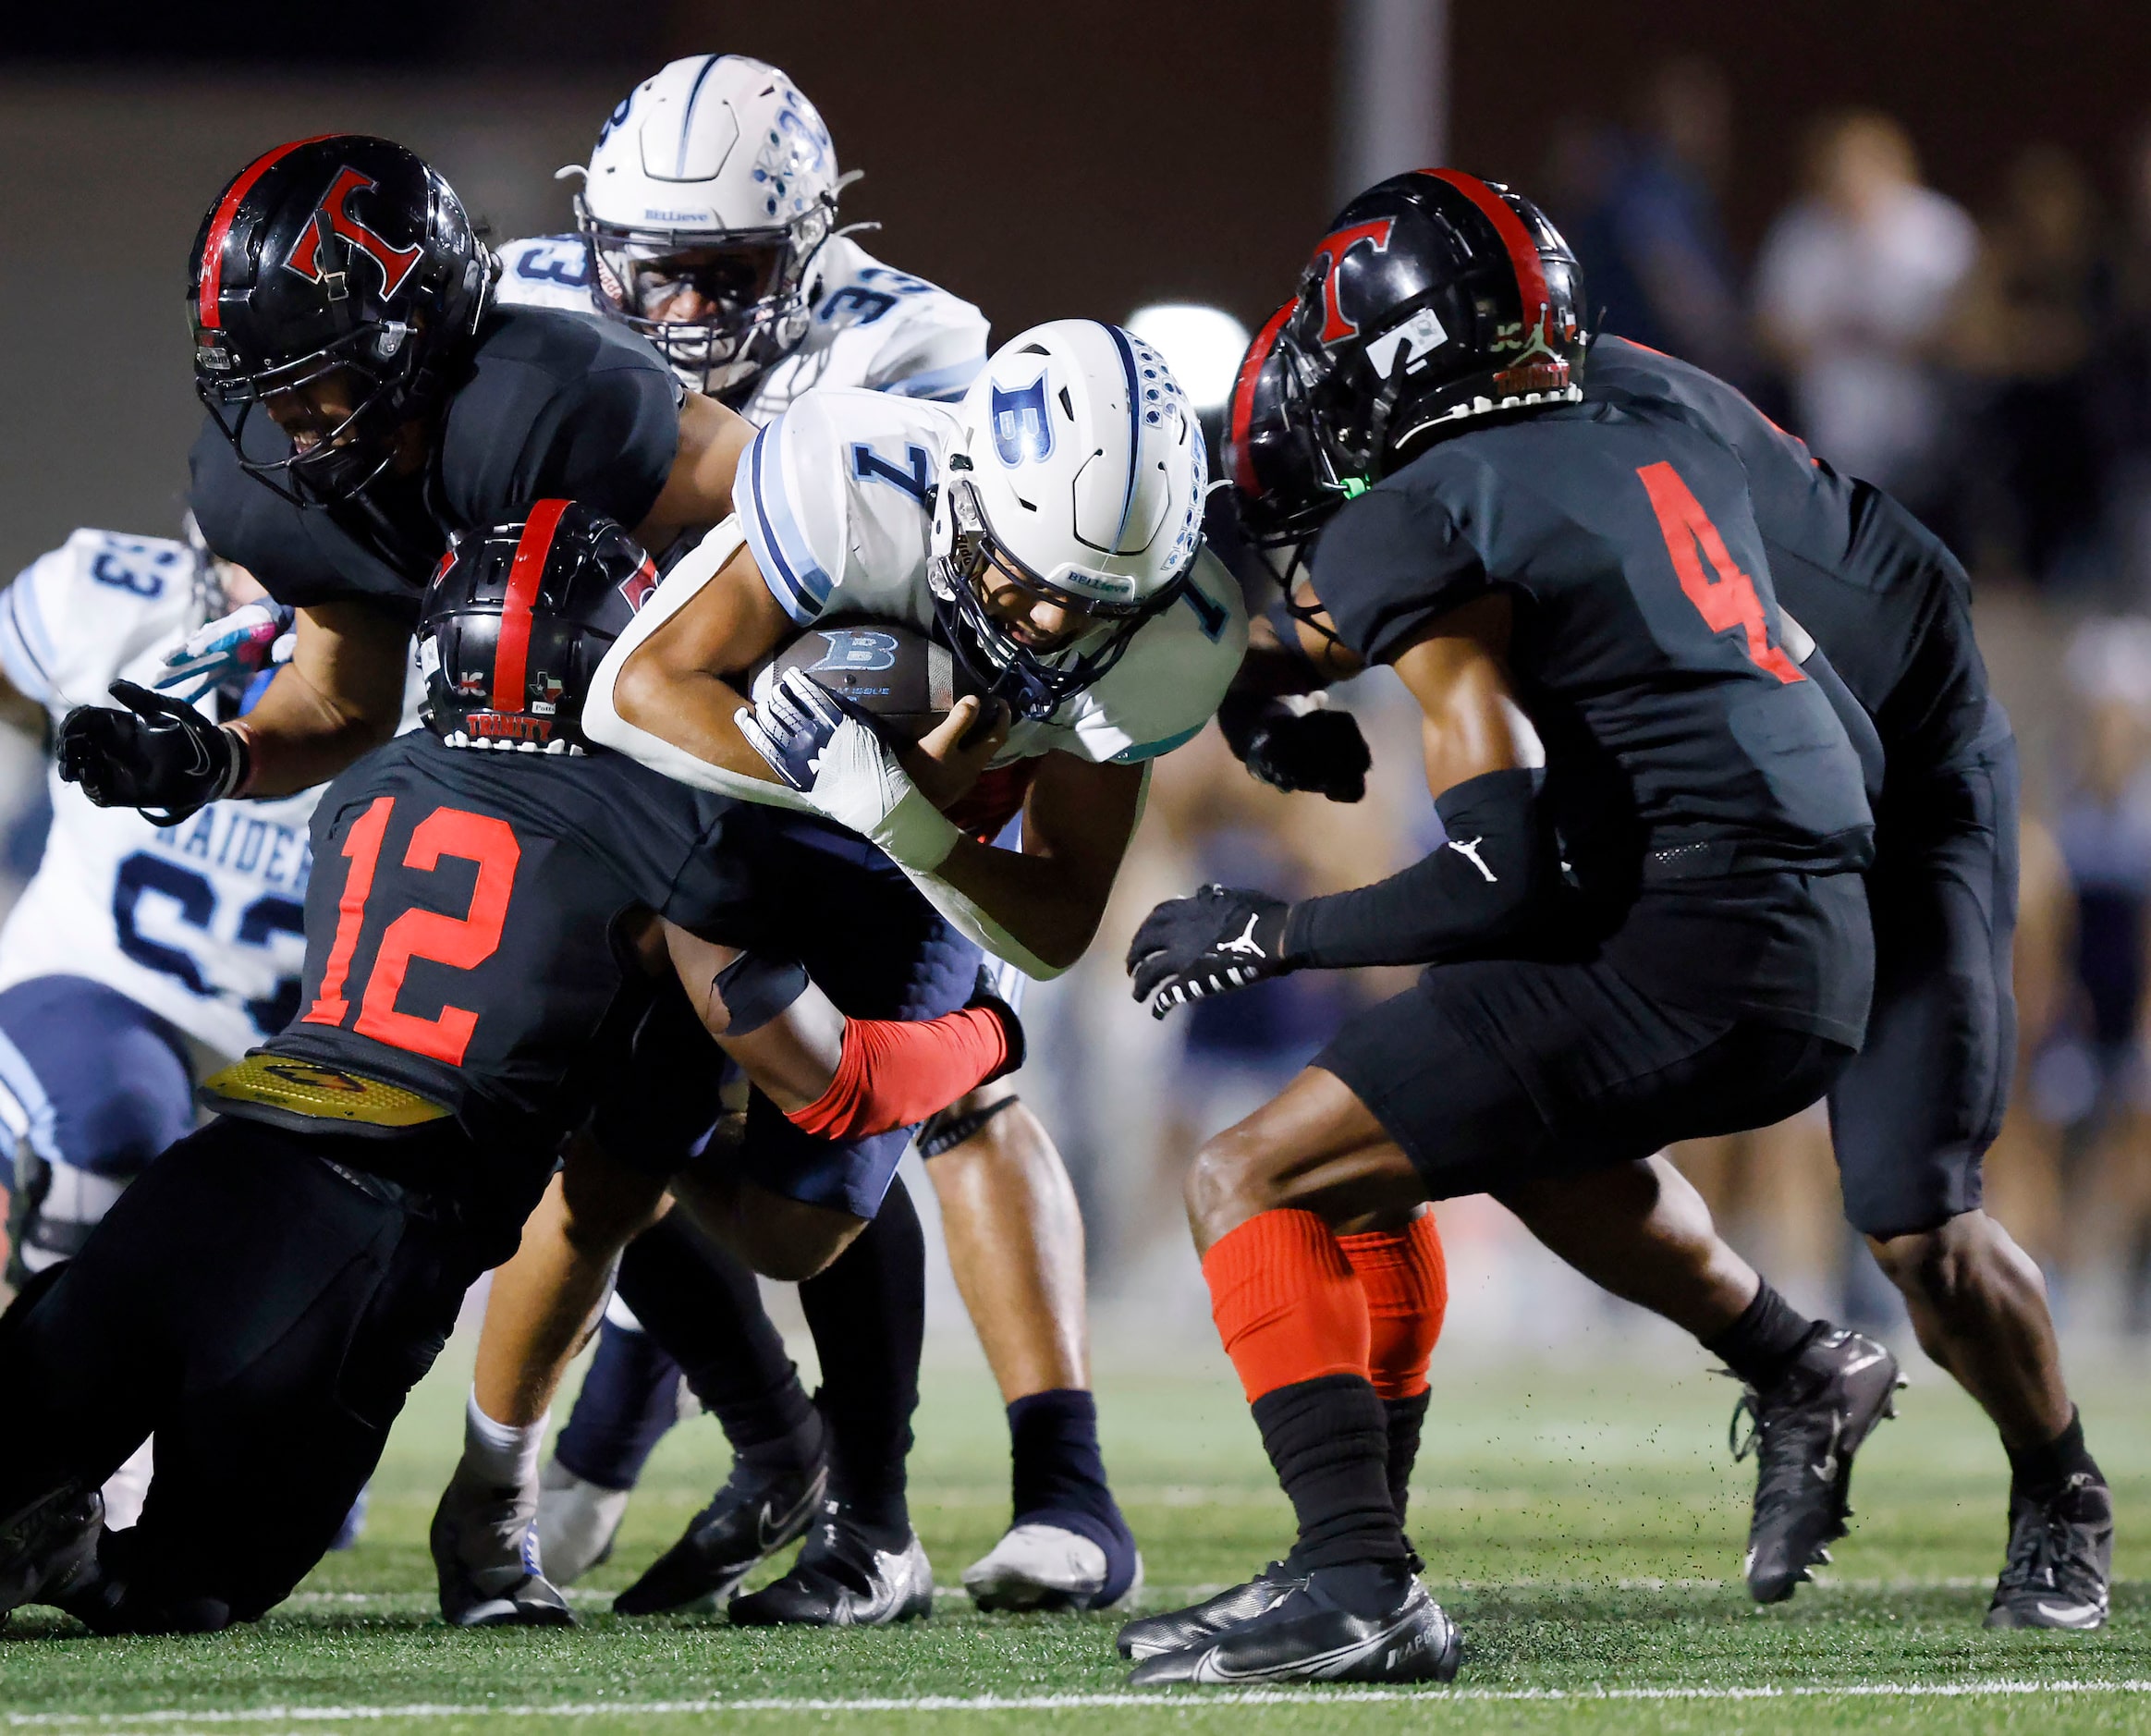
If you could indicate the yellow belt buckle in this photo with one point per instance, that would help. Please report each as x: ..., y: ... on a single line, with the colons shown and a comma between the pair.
x: 327, y: 1094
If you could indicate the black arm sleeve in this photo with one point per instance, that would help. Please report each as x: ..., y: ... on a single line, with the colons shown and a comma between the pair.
x: 1477, y: 889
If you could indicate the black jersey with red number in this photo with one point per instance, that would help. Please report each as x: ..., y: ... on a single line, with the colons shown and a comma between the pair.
x: 463, y: 922
x: 1889, y: 605
x: 1646, y: 645
x: 551, y: 405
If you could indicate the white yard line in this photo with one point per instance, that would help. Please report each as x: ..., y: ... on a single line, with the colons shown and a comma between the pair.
x: 1997, y: 1688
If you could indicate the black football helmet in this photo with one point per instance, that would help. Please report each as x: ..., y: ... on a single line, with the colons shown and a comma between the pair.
x: 1435, y: 297
x: 515, y: 621
x: 340, y: 252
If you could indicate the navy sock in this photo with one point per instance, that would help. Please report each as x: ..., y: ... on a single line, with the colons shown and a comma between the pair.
x: 1058, y: 1477
x: 630, y: 1397
x: 705, y: 1308
x: 868, y: 1315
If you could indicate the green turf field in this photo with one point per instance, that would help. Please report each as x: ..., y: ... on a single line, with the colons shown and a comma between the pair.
x: 1584, y: 1527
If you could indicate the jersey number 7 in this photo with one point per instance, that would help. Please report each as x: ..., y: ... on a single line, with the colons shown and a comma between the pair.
x: 1691, y: 539
x: 460, y: 942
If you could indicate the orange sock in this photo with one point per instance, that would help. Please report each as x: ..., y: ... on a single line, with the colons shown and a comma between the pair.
x: 1285, y: 1303
x: 1405, y: 1280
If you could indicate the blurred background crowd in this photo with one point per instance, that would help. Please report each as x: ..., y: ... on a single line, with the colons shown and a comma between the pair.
x: 1919, y: 237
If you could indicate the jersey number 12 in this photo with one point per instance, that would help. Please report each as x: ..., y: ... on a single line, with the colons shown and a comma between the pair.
x: 1691, y: 539
x: 462, y: 942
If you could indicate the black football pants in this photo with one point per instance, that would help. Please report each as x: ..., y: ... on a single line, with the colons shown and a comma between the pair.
x: 263, y: 1306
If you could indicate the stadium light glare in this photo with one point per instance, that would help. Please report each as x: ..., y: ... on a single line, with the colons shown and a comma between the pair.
x: 1203, y: 347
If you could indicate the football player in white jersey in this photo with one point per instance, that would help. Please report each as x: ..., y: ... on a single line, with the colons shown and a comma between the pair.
x: 136, y: 950
x: 707, y: 223
x: 1048, y: 529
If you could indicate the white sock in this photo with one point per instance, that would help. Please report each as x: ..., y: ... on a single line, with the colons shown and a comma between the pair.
x: 499, y: 1453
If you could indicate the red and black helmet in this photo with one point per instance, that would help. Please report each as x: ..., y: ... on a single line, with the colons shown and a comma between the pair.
x: 515, y: 621
x: 1434, y: 298
x: 341, y: 252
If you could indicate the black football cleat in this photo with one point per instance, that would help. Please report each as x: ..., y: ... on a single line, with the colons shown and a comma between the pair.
x: 2061, y: 1552
x: 755, y: 1514
x: 1178, y: 1628
x: 841, y: 1580
x: 1807, y: 1426
x: 484, y: 1543
x: 1310, y: 1635
x: 48, y: 1549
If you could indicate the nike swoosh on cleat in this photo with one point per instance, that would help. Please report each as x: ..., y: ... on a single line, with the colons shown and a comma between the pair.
x: 1859, y: 1363
x: 2068, y: 1615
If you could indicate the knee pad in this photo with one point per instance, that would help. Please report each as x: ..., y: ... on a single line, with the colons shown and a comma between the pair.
x: 948, y: 1130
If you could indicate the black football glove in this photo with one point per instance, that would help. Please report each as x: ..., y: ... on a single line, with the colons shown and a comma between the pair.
x: 1221, y: 939
x: 1318, y: 749
x: 984, y: 993
x: 158, y: 753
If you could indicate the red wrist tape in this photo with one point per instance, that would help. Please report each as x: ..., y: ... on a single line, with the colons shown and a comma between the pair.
x: 896, y: 1071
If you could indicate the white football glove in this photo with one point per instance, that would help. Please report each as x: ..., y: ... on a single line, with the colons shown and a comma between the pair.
x: 828, y: 751
x: 234, y: 648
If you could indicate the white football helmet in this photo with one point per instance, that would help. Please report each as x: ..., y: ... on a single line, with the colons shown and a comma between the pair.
x: 1079, y: 473
x: 712, y: 188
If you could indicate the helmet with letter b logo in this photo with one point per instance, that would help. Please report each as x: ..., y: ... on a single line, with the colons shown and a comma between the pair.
x: 1079, y: 479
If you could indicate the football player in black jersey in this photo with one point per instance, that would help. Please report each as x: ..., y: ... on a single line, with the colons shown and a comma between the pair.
x: 1646, y: 918
x: 1911, y: 1116
x: 366, y: 400
x: 503, y: 925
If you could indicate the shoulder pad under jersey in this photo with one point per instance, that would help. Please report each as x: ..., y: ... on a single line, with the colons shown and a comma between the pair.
x: 836, y: 498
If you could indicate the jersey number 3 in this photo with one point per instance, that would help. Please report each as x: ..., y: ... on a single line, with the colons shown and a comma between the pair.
x: 460, y: 942
x: 1691, y: 539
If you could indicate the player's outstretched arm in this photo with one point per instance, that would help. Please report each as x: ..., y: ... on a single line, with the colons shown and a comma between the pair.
x: 835, y: 1077
x: 1485, y: 882
x: 339, y: 697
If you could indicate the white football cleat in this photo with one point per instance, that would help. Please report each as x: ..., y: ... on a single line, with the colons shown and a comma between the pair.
x: 484, y: 1543
x: 578, y: 1520
x: 1045, y: 1566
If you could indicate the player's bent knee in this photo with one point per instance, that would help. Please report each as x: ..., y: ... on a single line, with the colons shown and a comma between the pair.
x: 1940, y: 1264
x: 604, y: 1204
x: 1232, y: 1178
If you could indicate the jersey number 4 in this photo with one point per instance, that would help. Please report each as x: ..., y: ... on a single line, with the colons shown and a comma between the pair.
x: 462, y: 942
x: 1692, y: 539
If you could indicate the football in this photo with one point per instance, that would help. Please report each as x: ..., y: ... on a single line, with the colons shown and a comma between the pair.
x: 906, y: 679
